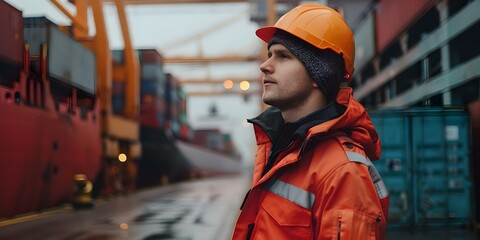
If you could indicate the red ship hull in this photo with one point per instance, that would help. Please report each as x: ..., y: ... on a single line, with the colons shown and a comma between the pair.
x: 41, y: 151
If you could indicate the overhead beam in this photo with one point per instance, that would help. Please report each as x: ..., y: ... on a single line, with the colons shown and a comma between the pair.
x: 216, y: 81
x: 222, y: 93
x: 210, y: 59
x: 179, y: 1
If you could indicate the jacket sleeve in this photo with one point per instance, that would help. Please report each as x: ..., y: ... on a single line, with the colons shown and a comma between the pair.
x: 348, y: 207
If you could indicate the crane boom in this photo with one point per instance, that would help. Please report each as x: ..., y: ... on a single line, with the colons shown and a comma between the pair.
x: 179, y: 1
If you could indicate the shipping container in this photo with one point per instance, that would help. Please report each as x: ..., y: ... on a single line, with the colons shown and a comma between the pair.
x: 393, y: 17
x: 182, y: 105
x: 11, y: 44
x: 11, y: 25
x: 118, y: 57
x: 151, y: 87
x: 426, y: 166
x: 171, y: 102
x: 474, y: 111
x: 151, y: 71
x: 150, y: 56
x: 68, y: 61
x: 152, y: 112
x: 152, y: 65
x: 364, y: 42
x: 171, y: 94
x: 153, y: 107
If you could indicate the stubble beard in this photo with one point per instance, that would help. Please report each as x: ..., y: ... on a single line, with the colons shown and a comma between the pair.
x: 285, y: 102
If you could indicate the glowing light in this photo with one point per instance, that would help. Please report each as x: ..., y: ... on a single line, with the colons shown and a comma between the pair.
x: 122, y: 157
x: 244, y: 85
x: 123, y: 226
x: 228, y: 84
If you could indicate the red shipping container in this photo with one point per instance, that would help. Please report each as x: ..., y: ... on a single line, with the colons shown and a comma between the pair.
x: 393, y: 17
x: 11, y: 37
x: 151, y: 56
x: 161, y: 108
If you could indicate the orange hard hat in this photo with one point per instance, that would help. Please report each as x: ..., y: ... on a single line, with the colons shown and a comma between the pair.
x: 320, y: 26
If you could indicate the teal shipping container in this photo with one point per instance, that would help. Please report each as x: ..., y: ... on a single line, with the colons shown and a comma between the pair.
x: 425, y: 165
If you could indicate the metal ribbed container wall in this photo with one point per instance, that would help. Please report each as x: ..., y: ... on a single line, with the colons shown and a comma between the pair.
x: 11, y: 25
x: 364, y: 42
x: 393, y: 17
x: 11, y: 43
x: 68, y: 61
x: 425, y: 165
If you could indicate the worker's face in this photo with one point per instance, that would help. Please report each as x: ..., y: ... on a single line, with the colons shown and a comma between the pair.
x: 286, y: 83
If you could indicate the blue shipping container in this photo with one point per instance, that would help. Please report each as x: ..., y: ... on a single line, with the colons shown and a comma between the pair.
x: 425, y: 165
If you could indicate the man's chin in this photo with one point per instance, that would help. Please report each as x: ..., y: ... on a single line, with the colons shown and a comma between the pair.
x: 269, y: 101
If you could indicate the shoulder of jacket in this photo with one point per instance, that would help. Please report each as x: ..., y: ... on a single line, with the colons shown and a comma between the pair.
x: 348, y: 144
x: 337, y: 142
x: 328, y: 154
x: 338, y: 150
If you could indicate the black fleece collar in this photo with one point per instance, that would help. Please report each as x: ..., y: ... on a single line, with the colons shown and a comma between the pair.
x: 271, y: 120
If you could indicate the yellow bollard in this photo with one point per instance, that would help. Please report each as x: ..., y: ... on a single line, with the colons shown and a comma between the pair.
x: 164, y: 180
x: 83, y: 192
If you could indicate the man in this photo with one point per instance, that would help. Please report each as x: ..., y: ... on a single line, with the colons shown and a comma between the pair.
x: 313, y: 178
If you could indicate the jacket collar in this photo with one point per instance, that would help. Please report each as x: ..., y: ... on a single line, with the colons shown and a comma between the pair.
x: 271, y: 120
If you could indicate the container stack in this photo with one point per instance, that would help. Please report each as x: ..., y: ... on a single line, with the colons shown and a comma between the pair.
x: 153, y: 82
x: 172, y: 103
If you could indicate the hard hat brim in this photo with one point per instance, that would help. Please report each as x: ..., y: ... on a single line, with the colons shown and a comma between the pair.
x: 266, y: 33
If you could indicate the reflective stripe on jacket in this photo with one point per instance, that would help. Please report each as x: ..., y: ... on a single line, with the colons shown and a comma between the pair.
x: 321, y: 187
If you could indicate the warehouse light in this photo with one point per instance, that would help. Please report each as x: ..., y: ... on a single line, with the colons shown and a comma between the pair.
x: 244, y: 85
x: 228, y: 84
x: 122, y: 157
x: 123, y: 226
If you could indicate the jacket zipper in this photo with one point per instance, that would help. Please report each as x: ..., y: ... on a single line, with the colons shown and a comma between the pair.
x: 339, y: 229
x: 250, y: 230
x: 272, y: 158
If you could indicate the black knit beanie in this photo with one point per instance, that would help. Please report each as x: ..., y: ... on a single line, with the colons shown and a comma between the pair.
x: 324, y: 66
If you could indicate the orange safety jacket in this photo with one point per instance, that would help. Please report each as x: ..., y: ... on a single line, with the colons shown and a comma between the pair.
x: 323, y: 186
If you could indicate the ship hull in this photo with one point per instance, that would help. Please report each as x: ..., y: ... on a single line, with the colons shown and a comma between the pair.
x: 41, y: 152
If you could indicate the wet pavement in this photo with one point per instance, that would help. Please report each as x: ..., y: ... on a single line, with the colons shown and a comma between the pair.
x: 196, y: 210
x: 200, y: 210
